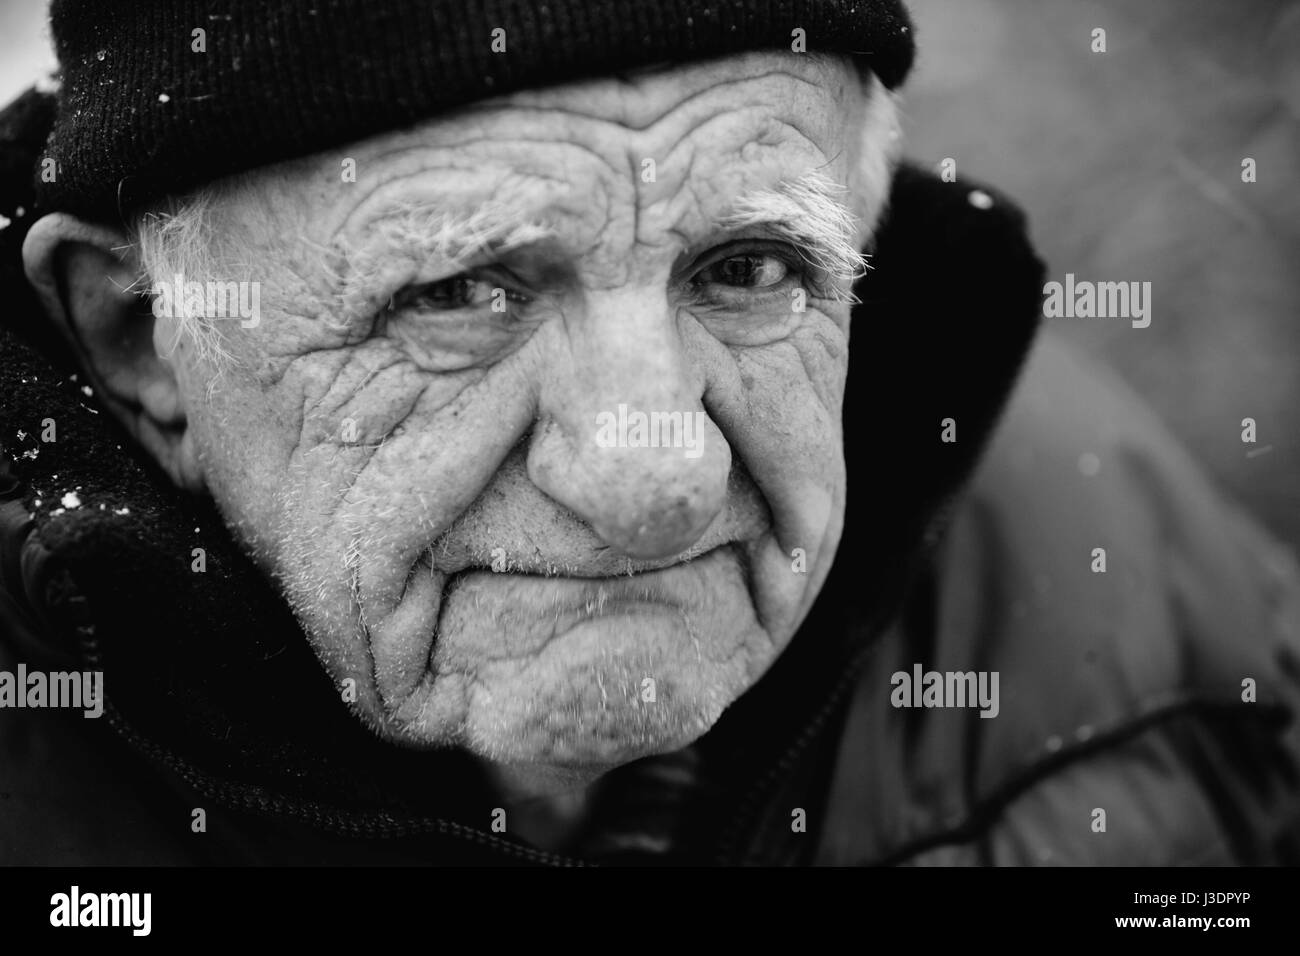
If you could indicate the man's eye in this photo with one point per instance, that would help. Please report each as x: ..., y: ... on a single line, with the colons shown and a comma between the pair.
x: 750, y: 271
x: 456, y: 292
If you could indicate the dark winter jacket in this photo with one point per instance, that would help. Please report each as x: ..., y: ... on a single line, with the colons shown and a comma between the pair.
x: 1162, y: 691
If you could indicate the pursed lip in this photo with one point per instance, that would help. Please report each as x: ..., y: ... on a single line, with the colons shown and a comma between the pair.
x: 608, y: 569
x: 435, y: 579
x: 604, y: 563
x: 566, y: 601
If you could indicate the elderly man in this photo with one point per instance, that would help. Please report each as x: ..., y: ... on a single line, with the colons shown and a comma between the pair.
x: 504, y: 363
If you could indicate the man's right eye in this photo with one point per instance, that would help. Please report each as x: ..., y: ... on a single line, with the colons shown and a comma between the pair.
x: 456, y: 292
x: 464, y: 320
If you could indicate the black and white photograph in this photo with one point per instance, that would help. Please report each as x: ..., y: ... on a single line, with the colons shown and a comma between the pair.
x: 698, y: 434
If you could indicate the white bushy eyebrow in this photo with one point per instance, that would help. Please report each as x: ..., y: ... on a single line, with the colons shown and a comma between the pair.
x: 427, y: 232
x: 808, y: 213
x: 816, y: 214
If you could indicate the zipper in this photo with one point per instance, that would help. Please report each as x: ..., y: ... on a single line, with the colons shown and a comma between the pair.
x: 757, y: 796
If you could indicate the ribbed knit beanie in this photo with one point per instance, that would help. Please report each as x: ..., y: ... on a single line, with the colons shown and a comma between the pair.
x: 159, y: 96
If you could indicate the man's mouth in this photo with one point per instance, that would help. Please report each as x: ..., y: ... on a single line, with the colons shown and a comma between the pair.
x: 578, y: 666
x: 568, y: 659
x: 518, y: 612
x: 562, y: 599
x: 603, y: 563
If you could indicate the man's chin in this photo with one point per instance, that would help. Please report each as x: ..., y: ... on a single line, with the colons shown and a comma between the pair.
x: 605, y: 691
x: 579, y: 673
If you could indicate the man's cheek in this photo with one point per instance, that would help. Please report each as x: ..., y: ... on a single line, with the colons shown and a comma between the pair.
x: 784, y: 427
x: 793, y: 393
x: 823, y: 349
x: 244, y: 446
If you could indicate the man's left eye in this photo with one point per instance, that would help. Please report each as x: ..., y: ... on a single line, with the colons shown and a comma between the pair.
x: 748, y: 271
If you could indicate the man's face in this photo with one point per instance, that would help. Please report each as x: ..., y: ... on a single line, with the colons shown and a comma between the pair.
x: 421, y: 440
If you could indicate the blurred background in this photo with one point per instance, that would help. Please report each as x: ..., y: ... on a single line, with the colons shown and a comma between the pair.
x: 1128, y: 163
x: 25, y: 46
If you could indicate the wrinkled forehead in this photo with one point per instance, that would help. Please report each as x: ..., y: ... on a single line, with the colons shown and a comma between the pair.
x: 671, y: 148
x: 640, y: 99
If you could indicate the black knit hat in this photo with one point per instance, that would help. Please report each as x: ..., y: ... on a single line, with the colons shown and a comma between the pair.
x: 151, y: 106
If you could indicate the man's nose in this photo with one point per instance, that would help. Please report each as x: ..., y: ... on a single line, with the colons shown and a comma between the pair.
x: 623, y: 438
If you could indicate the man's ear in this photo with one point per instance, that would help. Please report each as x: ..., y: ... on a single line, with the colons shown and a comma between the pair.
x: 85, y: 276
